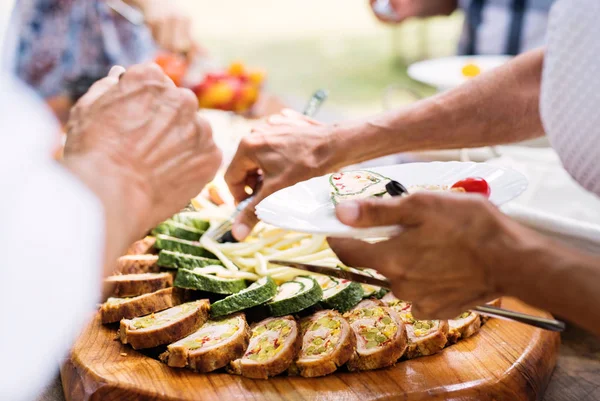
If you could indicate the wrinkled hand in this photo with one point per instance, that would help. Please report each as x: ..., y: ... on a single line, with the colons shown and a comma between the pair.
x: 287, y: 149
x: 171, y: 27
x: 139, y: 144
x: 449, y: 257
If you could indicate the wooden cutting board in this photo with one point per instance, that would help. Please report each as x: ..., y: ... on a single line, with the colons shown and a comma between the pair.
x: 504, y: 361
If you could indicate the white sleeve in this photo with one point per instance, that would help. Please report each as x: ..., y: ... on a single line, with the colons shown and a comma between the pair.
x: 51, y: 248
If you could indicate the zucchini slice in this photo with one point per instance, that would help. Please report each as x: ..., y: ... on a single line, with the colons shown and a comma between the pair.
x: 207, y: 282
x: 256, y: 294
x: 168, y: 243
x: 178, y: 230
x: 343, y: 297
x: 372, y: 291
x: 176, y: 260
x: 294, y: 296
x: 191, y: 219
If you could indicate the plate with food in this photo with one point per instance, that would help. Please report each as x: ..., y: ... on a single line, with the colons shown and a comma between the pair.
x: 197, y: 319
x: 448, y: 72
x: 309, y: 206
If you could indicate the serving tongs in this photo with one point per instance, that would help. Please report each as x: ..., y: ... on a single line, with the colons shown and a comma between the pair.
x: 485, y: 310
x: 222, y: 233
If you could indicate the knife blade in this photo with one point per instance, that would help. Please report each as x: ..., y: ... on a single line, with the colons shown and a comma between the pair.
x: 485, y: 310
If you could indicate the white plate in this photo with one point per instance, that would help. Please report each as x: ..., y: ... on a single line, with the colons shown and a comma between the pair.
x: 446, y: 73
x: 307, y: 207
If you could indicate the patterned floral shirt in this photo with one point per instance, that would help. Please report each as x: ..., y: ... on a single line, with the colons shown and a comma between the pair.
x: 61, y: 41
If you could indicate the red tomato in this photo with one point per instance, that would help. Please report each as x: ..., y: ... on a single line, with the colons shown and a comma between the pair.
x: 474, y: 184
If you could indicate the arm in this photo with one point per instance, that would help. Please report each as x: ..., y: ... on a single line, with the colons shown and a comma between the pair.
x: 404, y: 9
x: 495, y: 108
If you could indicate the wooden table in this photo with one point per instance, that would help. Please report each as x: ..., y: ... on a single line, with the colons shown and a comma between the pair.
x: 576, y: 378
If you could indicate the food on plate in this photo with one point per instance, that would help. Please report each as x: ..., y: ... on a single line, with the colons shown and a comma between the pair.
x: 134, y: 264
x: 328, y: 342
x: 341, y: 295
x: 191, y: 219
x: 425, y: 337
x: 142, y: 246
x: 176, y: 260
x: 256, y: 294
x: 380, y: 337
x: 274, y: 344
x: 497, y: 303
x: 294, y: 296
x: 357, y: 184
x: 463, y: 326
x: 175, y: 66
x: 132, y: 285
x: 470, y: 70
x: 214, y: 345
x: 165, y: 242
x: 164, y: 327
x: 115, y: 309
x: 196, y: 280
x: 369, y: 303
x: 178, y: 230
x: 473, y: 185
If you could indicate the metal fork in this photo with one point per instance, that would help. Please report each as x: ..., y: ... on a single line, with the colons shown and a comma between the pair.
x: 222, y: 233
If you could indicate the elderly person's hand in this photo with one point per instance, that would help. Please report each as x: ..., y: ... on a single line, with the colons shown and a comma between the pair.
x: 137, y: 141
x: 455, y: 251
x: 287, y: 149
x: 171, y: 27
x: 403, y: 9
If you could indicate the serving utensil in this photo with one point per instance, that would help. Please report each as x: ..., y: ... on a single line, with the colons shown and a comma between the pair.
x: 485, y: 310
x: 222, y: 233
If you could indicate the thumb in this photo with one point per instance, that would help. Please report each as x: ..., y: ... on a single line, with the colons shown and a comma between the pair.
x: 246, y: 220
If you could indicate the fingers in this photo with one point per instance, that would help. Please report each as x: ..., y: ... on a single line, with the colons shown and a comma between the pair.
x: 356, y: 253
x: 242, y: 165
x: 246, y: 220
x: 408, y: 211
x: 116, y: 71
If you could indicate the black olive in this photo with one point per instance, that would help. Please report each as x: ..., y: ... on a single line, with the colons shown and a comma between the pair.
x: 394, y: 188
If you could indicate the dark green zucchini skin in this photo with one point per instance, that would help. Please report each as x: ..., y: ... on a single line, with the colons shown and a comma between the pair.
x: 204, y: 282
x: 345, y: 299
x: 178, y: 230
x: 176, y: 260
x: 299, y: 302
x: 254, y: 295
x: 167, y: 243
x: 190, y: 220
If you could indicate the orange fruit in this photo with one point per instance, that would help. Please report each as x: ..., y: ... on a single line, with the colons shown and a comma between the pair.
x: 236, y: 69
x: 257, y: 77
x: 216, y: 95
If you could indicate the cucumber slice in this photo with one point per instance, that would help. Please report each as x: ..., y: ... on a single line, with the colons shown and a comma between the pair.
x: 178, y: 230
x: 379, y: 292
x: 175, y: 260
x: 207, y: 282
x: 294, y: 296
x: 191, y: 219
x: 165, y: 242
x: 343, y: 296
x: 256, y: 294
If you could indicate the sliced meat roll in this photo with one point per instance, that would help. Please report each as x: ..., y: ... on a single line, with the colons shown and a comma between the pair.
x: 211, y: 347
x: 274, y: 344
x: 134, y: 264
x: 465, y: 325
x: 496, y: 302
x: 380, y: 337
x: 142, y: 246
x: 115, y: 309
x: 328, y: 342
x: 425, y: 337
x: 164, y: 327
x: 132, y: 285
x: 368, y: 303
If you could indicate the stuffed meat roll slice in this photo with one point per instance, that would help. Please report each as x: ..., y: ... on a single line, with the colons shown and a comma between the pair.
x: 142, y: 246
x: 132, y: 285
x: 380, y: 337
x: 464, y: 326
x: 425, y: 337
x: 164, y: 327
x: 274, y: 344
x: 328, y: 342
x: 211, y: 347
x: 137, y: 264
x: 115, y: 309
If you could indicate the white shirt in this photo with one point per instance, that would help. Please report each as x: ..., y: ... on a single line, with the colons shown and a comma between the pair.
x: 570, y: 98
x: 51, y: 247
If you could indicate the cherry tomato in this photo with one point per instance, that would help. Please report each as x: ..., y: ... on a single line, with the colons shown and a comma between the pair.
x: 474, y: 184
